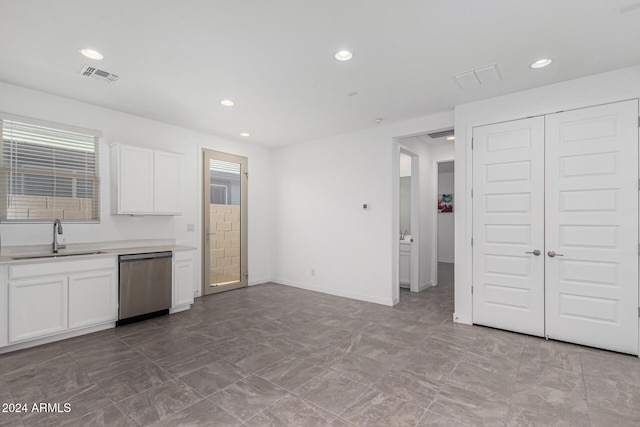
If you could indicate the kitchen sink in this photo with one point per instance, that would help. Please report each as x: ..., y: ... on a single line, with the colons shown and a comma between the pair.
x: 58, y: 255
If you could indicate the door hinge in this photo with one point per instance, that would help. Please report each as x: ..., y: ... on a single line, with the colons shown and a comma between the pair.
x: 472, y: 242
x: 639, y: 122
x: 471, y: 290
x: 638, y: 311
x: 639, y: 184
x: 472, y: 188
x: 638, y: 249
x: 472, y: 143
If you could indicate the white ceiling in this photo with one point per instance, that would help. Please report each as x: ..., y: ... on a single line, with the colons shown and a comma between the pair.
x: 178, y: 59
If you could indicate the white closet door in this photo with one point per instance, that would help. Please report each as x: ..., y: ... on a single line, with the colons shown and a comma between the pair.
x: 592, y: 225
x: 508, y: 222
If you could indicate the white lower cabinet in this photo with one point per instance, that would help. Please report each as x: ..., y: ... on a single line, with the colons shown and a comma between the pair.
x: 77, y: 295
x: 92, y: 298
x: 37, y: 308
x: 405, y: 264
x: 183, y: 278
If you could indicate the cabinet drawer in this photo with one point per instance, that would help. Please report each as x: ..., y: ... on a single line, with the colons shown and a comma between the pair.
x: 25, y: 271
x: 183, y: 256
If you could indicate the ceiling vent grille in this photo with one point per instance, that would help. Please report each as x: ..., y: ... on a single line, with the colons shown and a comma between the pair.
x: 100, y: 75
x: 441, y: 134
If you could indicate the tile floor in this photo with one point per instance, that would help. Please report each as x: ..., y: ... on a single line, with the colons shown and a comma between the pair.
x: 272, y: 355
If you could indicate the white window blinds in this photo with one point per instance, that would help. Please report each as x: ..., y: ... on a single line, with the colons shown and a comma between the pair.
x: 48, y: 171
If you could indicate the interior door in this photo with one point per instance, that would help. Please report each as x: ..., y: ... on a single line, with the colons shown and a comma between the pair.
x: 592, y: 226
x: 225, y: 222
x: 508, y: 225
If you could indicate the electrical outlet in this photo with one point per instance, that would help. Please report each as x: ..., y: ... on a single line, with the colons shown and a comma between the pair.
x: 191, y: 227
x: 313, y: 271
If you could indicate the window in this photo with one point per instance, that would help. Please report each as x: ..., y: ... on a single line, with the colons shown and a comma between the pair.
x: 48, y: 171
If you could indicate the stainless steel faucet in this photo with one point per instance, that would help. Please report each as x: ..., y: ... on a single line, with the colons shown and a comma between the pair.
x: 57, y: 229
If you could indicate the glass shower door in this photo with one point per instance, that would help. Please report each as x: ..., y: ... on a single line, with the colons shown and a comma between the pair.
x: 225, y: 218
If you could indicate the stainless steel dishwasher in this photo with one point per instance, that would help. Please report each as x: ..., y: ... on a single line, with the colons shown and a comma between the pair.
x: 145, y: 286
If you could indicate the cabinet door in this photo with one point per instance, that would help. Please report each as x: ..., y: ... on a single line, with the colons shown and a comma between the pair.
x: 167, y: 183
x: 135, y: 183
x: 92, y: 298
x: 183, y: 280
x: 405, y: 265
x: 37, y: 308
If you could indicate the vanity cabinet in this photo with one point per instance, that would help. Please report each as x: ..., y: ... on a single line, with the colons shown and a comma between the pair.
x: 145, y: 181
x: 405, y: 264
x: 45, y: 299
x: 184, y: 277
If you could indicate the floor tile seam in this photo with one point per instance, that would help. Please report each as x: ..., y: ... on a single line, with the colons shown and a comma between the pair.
x: 262, y: 411
x: 93, y: 412
x: 173, y: 378
x: 426, y: 408
x: 13, y: 399
x: 27, y: 367
x: 354, y: 401
x: 90, y: 382
x: 346, y: 374
x: 117, y: 404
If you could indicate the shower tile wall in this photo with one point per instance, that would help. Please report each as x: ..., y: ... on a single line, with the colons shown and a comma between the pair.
x: 225, y: 243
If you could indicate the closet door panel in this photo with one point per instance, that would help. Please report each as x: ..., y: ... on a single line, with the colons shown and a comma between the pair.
x: 508, y: 209
x: 592, y: 226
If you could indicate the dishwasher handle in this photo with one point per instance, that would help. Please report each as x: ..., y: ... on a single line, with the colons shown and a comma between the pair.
x: 150, y: 255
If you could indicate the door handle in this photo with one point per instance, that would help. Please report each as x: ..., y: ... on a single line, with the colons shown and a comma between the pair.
x: 536, y: 252
x: 553, y: 254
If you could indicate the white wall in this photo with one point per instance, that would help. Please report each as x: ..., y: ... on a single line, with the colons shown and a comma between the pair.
x: 445, y: 220
x: 405, y: 165
x: 129, y: 129
x: 613, y: 86
x: 320, y: 187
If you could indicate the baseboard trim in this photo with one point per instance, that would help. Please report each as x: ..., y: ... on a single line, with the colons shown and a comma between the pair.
x: 461, y: 318
x: 424, y: 286
x: 446, y: 260
x: 259, y: 281
x: 360, y: 297
x: 58, y: 337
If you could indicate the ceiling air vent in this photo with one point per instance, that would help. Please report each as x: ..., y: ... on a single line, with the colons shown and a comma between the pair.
x: 441, y: 134
x: 100, y: 75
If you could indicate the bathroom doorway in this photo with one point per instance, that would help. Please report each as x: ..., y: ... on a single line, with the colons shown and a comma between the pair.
x: 409, y: 221
x: 224, y: 201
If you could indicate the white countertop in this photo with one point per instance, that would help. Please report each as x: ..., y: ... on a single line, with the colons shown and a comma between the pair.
x: 105, y: 249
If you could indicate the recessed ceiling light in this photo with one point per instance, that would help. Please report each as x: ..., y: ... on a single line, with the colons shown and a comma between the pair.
x: 227, y: 102
x: 343, y: 55
x: 245, y: 134
x: 92, y: 54
x: 451, y: 138
x: 541, y: 63
x: 377, y: 121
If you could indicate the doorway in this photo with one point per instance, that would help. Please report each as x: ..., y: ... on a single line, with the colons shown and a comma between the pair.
x: 409, y: 221
x: 444, y: 246
x: 224, y: 222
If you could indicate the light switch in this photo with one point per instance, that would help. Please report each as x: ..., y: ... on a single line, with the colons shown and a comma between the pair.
x: 191, y: 227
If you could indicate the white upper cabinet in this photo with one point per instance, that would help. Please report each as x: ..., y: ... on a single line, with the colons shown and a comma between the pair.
x: 145, y: 181
x: 167, y: 179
